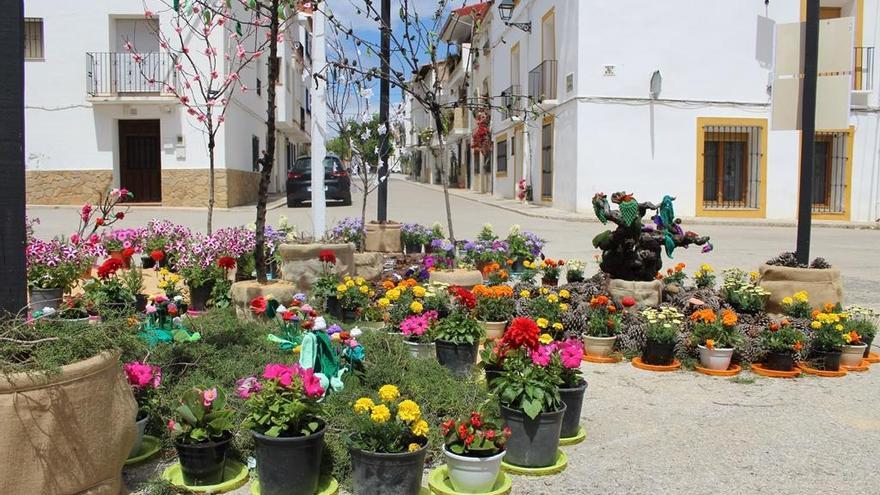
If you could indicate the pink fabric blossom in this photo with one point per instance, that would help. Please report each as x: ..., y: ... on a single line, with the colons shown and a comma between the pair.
x: 209, y: 396
x: 245, y: 387
x: 142, y: 375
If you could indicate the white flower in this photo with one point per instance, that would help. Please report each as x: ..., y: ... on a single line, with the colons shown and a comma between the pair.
x: 178, y: 298
x: 48, y: 311
x: 176, y: 321
x: 356, y: 332
x: 280, y: 309
x: 320, y: 323
x: 367, y: 93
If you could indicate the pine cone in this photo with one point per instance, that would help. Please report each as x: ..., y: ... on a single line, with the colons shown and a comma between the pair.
x: 820, y: 264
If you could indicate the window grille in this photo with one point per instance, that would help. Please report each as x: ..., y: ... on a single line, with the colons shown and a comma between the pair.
x: 731, y: 166
x: 33, y: 38
x: 829, y: 172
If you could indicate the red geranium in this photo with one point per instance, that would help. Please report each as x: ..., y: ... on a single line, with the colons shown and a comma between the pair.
x: 465, y: 297
x: 226, y: 262
x: 109, y: 267
x: 127, y: 253
x: 258, y: 305
x: 157, y: 256
x: 522, y: 332
x: 120, y: 215
x: 327, y: 256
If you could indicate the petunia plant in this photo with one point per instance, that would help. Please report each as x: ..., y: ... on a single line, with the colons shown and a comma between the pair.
x: 283, y: 401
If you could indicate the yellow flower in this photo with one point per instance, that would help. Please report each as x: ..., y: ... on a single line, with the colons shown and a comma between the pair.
x: 542, y: 322
x: 838, y: 327
x: 297, y: 349
x: 364, y: 289
x: 384, y: 302
x: 564, y: 294
x: 418, y: 291
x: 393, y: 294
x: 706, y: 268
x: 801, y: 296
x: 787, y: 301
x: 363, y: 405
x: 360, y: 281
x: 341, y: 288
x: 816, y: 325
x: 545, y: 338
x: 388, y: 393
x: 416, y: 307
x: 557, y: 326
x: 420, y: 428
x: 380, y: 413
x: 349, y: 283
x: 847, y: 337
x: 413, y: 447
x: 753, y: 276
x: 347, y: 278
x: 563, y: 306
x: 372, y: 293
x: 408, y: 411
x: 524, y: 293
x: 552, y: 298
x: 545, y: 290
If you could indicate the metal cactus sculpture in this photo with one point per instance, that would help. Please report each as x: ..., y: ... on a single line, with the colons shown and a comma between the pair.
x: 632, y: 251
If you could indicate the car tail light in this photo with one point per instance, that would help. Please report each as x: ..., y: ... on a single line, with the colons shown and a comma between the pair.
x: 294, y: 175
x: 341, y: 173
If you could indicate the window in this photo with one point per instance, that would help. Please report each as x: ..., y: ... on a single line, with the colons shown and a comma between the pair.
x: 259, y: 87
x: 33, y: 38
x: 255, y: 152
x: 302, y: 118
x: 308, y: 102
x: 309, y: 45
x: 831, y: 171
x: 547, y: 160
x: 731, y: 166
x: 501, y: 158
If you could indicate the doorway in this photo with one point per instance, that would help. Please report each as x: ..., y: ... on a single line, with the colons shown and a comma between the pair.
x: 547, y: 161
x: 140, y: 159
x: 518, y: 150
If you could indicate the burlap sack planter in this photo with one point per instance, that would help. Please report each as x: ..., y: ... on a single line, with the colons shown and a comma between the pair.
x: 383, y: 237
x: 822, y: 285
x: 66, y: 433
x: 645, y: 293
x: 300, y: 265
x: 458, y: 277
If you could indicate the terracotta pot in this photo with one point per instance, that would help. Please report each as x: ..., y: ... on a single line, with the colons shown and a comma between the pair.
x: 599, y: 346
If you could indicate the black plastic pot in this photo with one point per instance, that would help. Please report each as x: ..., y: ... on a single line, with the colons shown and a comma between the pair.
x: 387, y: 474
x: 573, y: 398
x: 140, y: 303
x: 549, y: 282
x: 779, y: 361
x: 289, y: 465
x: 517, y: 267
x: 349, y: 315
x: 202, y: 463
x: 574, y: 279
x: 868, y: 349
x: 459, y: 358
x: 428, y: 248
x: 413, y: 248
x: 492, y: 374
x: 331, y: 305
x: 658, y: 353
x: 147, y: 262
x: 198, y: 296
x: 826, y: 360
x: 533, y: 442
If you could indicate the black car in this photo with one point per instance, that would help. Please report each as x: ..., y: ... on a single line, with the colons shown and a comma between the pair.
x: 337, y: 181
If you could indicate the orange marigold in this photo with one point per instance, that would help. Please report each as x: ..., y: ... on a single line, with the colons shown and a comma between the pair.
x: 728, y: 318
x: 704, y: 315
x: 679, y: 267
x: 798, y: 346
x: 710, y: 343
x: 387, y: 285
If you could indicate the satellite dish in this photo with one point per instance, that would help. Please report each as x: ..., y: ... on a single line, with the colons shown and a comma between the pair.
x: 656, y: 84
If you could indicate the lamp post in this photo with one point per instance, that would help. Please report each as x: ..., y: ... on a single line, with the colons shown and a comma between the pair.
x: 808, y: 132
x: 384, y: 104
x: 505, y: 10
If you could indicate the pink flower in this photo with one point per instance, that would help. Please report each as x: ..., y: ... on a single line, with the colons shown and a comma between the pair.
x: 150, y: 309
x: 74, y: 239
x: 245, y: 387
x: 209, y: 396
x: 171, y: 424
x: 571, y: 353
x: 541, y: 355
x: 141, y: 375
x: 148, y: 14
x: 311, y: 383
x: 281, y: 372
x: 160, y: 299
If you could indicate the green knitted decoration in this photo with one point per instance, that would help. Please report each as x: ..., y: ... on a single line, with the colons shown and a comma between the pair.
x: 629, y: 212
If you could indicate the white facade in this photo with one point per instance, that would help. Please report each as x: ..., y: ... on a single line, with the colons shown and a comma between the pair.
x: 85, y: 85
x: 604, y: 132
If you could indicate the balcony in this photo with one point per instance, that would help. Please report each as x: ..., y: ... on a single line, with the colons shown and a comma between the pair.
x: 511, y: 100
x: 117, y: 76
x: 863, y: 68
x: 542, y: 82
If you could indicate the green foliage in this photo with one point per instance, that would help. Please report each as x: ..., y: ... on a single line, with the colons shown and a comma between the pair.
x: 459, y: 328
x: 782, y: 337
x: 527, y: 387
x: 742, y: 293
x: 112, y: 290
x: 220, y: 294
x: 202, y: 416
x: 279, y: 411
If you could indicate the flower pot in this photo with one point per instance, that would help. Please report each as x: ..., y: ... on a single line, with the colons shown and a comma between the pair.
x: 331, y: 305
x: 779, y: 361
x: 492, y: 374
x: 45, y: 298
x: 139, y: 439
x: 459, y: 358
x: 428, y: 248
x: 413, y: 248
x: 472, y: 474
x: 573, y: 278
x: 533, y: 442
x: 199, y: 296
x: 140, y: 303
x: 203, y: 463
x: 549, y: 282
x: 573, y: 398
x: 289, y: 465
x: 494, y: 329
x: 658, y: 353
x: 126, y: 261
x: 599, y: 346
x: 715, y: 359
x: 868, y: 347
x: 375, y: 473
x: 420, y: 350
x: 825, y: 360
x: 852, y: 355
x: 349, y: 315
x: 147, y: 262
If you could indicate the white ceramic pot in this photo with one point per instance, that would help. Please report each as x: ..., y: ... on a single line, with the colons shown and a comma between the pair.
x: 715, y: 359
x: 419, y: 350
x: 494, y: 329
x: 852, y: 355
x: 599, y: 346
x: 473, y: 474
x: 139, y: 439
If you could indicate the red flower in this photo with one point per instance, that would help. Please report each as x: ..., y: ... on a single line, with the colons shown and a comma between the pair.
x: 127, y: 253
x: 561, y: 262
x: 288, y: 315
x: 628, y: 302
x: 462, y: 430
x: 465, y: 297
x: 490, y: 435
x: 157, y: 255
x: 469, y: 440
x: 99, y: 221
x: 120, y: 215
x: 476, y: 421
x: 258, y: 305
x: 308, y: 324
x: 226, y: 262
x: 109, y: 267
x: 327, y: 256
x: 447, y: 426
x: 522, y: 332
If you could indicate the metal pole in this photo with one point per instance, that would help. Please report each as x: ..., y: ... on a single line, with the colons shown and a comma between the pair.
x: 808, y: 131
x: 13, y: 275
x: 384, y: 103
x: 319, y: 126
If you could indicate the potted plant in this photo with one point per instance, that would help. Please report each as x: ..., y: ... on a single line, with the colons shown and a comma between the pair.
x: 284, y: 416
x: 522, y: 246
x: 550, y: 270
x: 133, y: 281
x: 413, y: 236
x: 353, y: 294
x: 53, y: 267
x: 782, y: 342
x: 435, y: 233
x: 603, y: 325
x: 675, y: 276
x: 742, y: 292
x: 574, y: 272
x: 528, y: 393
x: 202, y: 430
x: 864, y: 322
x: 143, y: 379
x: 491, y: 360
x: 324, y: 288
x: 854, y: 349
x: 797, y: 305
x: 457, y: 338
x: 546, y: 308
x: 121, y: 244
x: 566, y: 355
x: 109, y: 292
x: 716, y: 336
x: 417, y: 332
x: 388, y: 443
x: 828, y: 332
x: 704, y: 278
x: 76, y: 308
x: 494, y: 306
x: 474, y: 448
x: 663, y: 328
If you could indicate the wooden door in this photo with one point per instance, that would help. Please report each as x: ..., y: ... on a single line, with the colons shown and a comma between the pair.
x: 829, y: 12
x: 140, y: 159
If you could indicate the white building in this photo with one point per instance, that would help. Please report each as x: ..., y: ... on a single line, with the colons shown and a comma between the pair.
x: 584, y: 71
x: 93, y: 121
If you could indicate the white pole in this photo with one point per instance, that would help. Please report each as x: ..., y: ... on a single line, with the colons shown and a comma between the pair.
x: 319, y: 125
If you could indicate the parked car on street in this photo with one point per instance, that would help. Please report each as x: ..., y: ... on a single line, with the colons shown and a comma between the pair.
x: 337, y: 181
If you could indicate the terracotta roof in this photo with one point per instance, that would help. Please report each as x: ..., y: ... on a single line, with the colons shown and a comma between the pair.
x: 477, y: 10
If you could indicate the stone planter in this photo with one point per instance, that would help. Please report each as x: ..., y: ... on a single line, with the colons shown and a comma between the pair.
x: 383, y: 237
x: 300, y: 265
x: 533, y: 443
x: 644, y: 293
x: 715, y: 359
x: 852, y: 355
x: 458, y: 277
x: 824, y: 286
x: 599, y: 346
x: 369, y: 265
x: 473, y: 474
x: 494, y: 329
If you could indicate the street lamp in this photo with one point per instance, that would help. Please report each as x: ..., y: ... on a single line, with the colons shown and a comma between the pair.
x: 505, y: 9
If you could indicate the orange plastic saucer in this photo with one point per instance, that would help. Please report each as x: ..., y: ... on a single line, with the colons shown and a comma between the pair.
x: 733, y: 370
x: 826, y: 374
x: 638, y: 363
x: 863, y: 366
x: 873, y: 358
x: 759, y: 369
x: 601, y: 360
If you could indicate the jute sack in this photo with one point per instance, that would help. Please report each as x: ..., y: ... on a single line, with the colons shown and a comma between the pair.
x: 67, y: 433
x: 645, y: 293
x: 457, y: 277
x: 822, y: 286
x: 383, y: 238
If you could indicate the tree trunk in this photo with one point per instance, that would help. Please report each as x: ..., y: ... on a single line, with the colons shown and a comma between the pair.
x: 268, y: 159
x: 211, y: 145
x: 363, y: 245
x: 444, y: 174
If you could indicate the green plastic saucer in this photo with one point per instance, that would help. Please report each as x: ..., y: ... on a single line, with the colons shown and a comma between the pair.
x: 327, y: 485
x: 149, y: 447
x: 579, y: 437
x: 556, y: 468
x: 235, y: 475
x: 438, y: 481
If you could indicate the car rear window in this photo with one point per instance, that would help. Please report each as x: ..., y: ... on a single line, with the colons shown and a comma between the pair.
x: 331, y: 164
